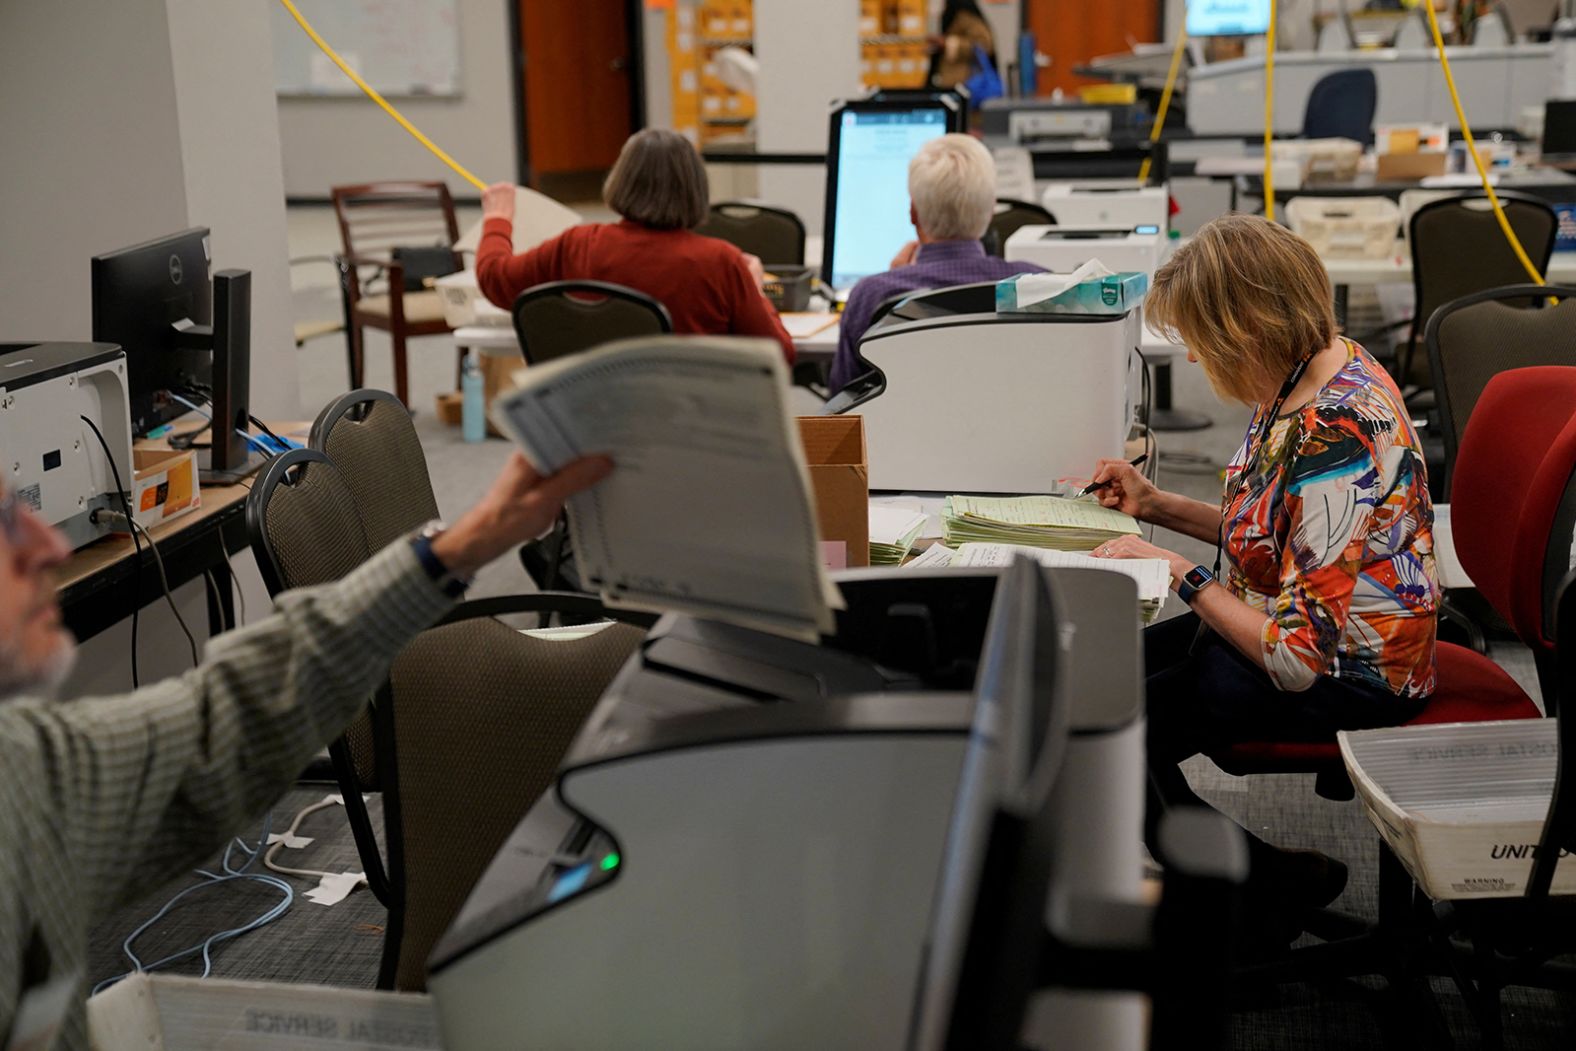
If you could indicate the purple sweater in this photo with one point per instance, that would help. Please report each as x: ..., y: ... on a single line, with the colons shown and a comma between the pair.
x: 940, y: 264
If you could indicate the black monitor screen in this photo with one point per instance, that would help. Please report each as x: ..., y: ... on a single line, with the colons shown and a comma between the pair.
x: 143, y: 296
x: 1559, y: 126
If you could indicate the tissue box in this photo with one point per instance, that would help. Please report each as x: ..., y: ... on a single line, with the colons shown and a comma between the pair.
x: 1043, y: 293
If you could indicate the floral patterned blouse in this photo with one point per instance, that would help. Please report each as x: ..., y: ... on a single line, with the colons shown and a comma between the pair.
x: 1329, y: 533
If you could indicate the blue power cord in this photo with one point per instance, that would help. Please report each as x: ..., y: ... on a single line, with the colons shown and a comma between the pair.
x: 265, y: 445
x: 229, y: 874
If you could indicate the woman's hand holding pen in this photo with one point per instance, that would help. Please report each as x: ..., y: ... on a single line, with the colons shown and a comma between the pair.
x: 1120, y: 485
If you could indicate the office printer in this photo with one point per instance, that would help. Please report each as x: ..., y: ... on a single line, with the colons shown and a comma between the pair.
x: 962, y: 399
x: 52, y: 459
x: 761, y: 843
x: 1109, y: 203
x: 1028, y: 121
x: 1063, y: 249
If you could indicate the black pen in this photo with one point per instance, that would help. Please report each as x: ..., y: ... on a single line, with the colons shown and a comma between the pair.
x: 1096, y: 486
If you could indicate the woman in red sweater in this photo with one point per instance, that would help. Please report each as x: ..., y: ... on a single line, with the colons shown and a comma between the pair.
x: 659, y: 188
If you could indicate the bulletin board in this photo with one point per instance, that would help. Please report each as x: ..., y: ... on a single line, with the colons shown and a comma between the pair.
x: 402, y: 47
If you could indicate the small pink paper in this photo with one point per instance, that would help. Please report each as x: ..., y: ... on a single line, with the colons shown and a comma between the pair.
x: 834, y: 554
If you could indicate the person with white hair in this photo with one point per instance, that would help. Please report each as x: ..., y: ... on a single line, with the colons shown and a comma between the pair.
x: 952, y: 196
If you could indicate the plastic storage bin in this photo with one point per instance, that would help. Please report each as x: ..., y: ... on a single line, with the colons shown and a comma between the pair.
x: 1461, y: 804
x: 1322, y: 160
x: 464, y: 304
x: 1346, y: 227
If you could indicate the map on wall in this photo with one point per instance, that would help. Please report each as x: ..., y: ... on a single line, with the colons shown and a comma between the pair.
x: 400, y: 47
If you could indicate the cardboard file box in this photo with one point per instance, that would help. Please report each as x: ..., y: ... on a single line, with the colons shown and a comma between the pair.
x: 164, y: 486
x: 1461, y: 804
x: 834, y: 447
x: 145, y: 1012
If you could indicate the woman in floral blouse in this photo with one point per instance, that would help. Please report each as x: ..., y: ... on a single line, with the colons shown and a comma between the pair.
x: 1325, y: 616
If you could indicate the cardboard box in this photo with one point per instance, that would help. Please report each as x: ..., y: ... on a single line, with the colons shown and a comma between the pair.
x: 1456, y: 844
x: 1406, y: 167
x: 194, y: 1014
x: 834, y: 447
x: 164, y: 485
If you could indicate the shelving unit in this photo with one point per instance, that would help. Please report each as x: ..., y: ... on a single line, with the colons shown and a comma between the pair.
x: 705, y: 108
x: 894, y: 51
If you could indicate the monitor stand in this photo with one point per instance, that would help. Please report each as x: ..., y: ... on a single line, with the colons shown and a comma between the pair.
x: 232, y: 474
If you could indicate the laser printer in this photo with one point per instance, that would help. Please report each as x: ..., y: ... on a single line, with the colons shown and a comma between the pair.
x: 759, y: 842
x: 1027, y: 121
x: 1110, y: 203
x: 1063, y: 249
x: 51, y: 457
x: 959, y: 398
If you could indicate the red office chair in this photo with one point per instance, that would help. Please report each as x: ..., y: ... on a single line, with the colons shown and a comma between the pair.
x: 1512, y: 518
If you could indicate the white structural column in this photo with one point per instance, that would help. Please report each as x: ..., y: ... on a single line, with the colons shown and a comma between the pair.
x: 132, y: 120
x: 809, y: 56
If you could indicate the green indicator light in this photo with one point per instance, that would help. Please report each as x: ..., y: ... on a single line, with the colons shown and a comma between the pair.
x: 609, y: 863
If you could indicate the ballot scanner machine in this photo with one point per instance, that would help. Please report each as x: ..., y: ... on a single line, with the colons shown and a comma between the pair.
x: 53, y: 460
x: 960, y: 398
x: 1063, y: 249
x: 758, y: 842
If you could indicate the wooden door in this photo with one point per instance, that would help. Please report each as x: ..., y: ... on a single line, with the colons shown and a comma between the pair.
x: 578, y: 70
x: 1072, y: 32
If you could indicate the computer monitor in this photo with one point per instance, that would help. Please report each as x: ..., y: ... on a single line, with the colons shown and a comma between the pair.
x: 187, y: 339
x: 1559, y: 129
x: 988, y: 926
x: 1228, y: 17
x: 867, y: 206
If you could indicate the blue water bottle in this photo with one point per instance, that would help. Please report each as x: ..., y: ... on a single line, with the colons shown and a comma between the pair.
x: 473, y: 404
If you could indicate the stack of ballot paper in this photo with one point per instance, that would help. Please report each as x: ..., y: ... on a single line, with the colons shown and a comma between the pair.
x: 709, y: 510
x: 1152, y: 575
x: 1034, y: 521
x: 893, y: 531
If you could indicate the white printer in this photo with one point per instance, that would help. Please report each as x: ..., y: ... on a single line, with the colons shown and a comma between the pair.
x: 1111, y: 203
x: 53, y: 459
x: 962, y: 399
x: 761, y: 843
x: 1063, y: 249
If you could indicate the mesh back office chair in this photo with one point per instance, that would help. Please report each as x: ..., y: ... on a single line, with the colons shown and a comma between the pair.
x: 1474, y: 338
x: 403, y: 232
x: 565, y: 317
x: 371, y: 440
x: 1009, y: 217
x: 1458, y: 249
x: 1341, y: 105
x: 475, y: 722
x: 774, y: 235
x: 305, y: 529
x: 553, y: 321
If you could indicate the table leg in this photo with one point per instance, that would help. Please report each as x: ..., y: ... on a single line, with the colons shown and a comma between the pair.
x: 1164, y: 417
x: 1342, y: 295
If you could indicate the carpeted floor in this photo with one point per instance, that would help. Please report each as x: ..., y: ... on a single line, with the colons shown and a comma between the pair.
x: 340, y: 945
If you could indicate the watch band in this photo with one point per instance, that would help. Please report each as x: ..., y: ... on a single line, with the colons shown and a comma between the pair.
x: 1193, y: 581
x: 451, y: 585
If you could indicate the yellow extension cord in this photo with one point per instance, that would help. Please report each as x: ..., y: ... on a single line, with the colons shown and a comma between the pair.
x: 1165, y: 102
x: 1269, y: 118
x: 1466, y: 133
x: 372, y: 94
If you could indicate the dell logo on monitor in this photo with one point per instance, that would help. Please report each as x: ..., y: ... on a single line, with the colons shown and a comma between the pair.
x: 176, y: 271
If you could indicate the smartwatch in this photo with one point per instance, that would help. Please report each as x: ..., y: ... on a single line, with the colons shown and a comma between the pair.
x: 1193, y: 581
x: 451, y: 585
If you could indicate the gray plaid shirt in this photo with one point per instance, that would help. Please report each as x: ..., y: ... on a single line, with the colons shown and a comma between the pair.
x: 104, y: 798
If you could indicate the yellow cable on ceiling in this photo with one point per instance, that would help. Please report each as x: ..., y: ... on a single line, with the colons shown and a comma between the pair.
x: 372, y: 94
x: 1466, y: 133
x: 1165, y: 102
x: 1269, y: 119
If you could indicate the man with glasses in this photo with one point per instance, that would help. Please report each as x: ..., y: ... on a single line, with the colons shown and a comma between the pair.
x: 103, y: 798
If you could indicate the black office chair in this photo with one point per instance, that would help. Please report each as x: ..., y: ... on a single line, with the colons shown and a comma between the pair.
x: 774, y: 235
x: 305, y: 529
x: 1009, y: 218
x: 565, y: 317
x: 1472, y: 339
x: 556, y: 320
x: 1341, y: 106
x: 369, y: 436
